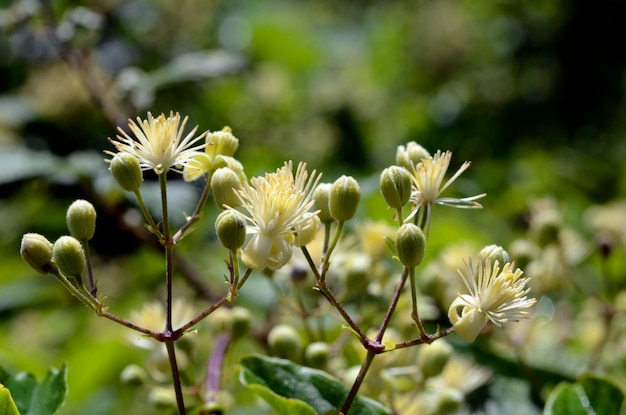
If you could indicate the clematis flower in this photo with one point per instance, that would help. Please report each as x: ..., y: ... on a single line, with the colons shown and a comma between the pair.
x: 277, y: 208
x: 427, y: 186
x: 218, y: 153
x: 495, y: 294
x: 159, y: 144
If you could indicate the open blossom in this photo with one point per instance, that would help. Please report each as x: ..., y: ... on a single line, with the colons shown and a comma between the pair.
x: 159, y: 144
x: 495, y: 294
x: 276, y: 207
x: 428, y: 186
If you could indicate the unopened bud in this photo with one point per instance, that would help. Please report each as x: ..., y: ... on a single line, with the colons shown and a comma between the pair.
x: 285, y: 342
x: 231, y: 229
x: 494, y: 253
x: 68, y: 255
x: 36, y: 251
x: 410, y: 245
x: 126, y: 171
x: 411, y: 155
x: 395, y: 186
x: 224, y: 183
x: 240, y: 319
x: 316, y: 355
x: 81, y: 220
x: 321, y: 197
x: 222, y: 143
x: 433, y: 357
x: 134, y: 375
x: 345, y: 195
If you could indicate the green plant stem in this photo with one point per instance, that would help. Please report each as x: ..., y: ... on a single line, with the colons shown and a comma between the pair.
x: 331, y: 248
x: 369, y: 358
x: 152, y: 226
x: 178, y: 390
x: 93, y: 290
x: 197, y: 214
x: 414, y: 313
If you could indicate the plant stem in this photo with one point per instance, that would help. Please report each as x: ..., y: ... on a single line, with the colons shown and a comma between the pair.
x: 197, y: 214
x: 152, y: 226
x: 214, y: 367
x: 331, y: 248
x: 93, y: 290
x: 392, y: 305
x: 415, y: 314
x: 178, y: 390
x: 369, y: 358
x: 167, y: 242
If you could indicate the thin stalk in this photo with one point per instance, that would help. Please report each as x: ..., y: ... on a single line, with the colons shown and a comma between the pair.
x: 168, y: 254
x: 154, y: 228
x: 215, y: 365
x: 414, y: 313
x: 430, y: 338
x: 197, y: 214
x: 178, y: 390
x: 331, y: 248
x: 93, y: 290
x: 392, y: 305
x: 365, y: 366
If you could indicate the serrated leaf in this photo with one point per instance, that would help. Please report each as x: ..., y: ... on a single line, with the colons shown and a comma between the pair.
x: 294, y: 389
x: 590, y: 395
x: 7, y: 405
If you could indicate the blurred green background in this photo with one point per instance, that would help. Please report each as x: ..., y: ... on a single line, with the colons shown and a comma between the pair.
x: 533, y: 93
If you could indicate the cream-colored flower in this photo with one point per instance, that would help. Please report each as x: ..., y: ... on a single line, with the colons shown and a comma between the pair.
x: 277, y: 208
x: 428, y: 186
x: 159, y: 144
x: 219, y: 150
x: 496, y: 295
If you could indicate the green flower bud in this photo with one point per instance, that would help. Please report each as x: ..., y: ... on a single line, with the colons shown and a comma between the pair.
x: 410, y: 244
x: 68, y: 255
x: 81, y: 220
x: 449, y: 401
x: 36, y: 251
x: 285, y: 342
x: 221, y: 143
x: 240, y: 319
x: 126, y: 171
x: 162, y: 397
x: 395, y: 186
x: 494, y: 253
x: 321, y: 197
x: 316, y: 355
x: 433, y: 357
x: 231, y: 229
x: 411, y: 155
x: 134, y: 375
x: 345, y: 195
x: 224, y: 183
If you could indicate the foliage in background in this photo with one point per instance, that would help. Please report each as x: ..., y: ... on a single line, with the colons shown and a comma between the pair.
x: 523, y: 90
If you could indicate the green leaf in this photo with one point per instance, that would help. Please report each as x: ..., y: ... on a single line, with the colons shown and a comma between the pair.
x: 590, y: 395
x: 296, y: 390
x: 7, y: 405
x: 32, y: 398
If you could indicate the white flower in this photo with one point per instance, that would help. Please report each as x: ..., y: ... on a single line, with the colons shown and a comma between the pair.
x: 496, y: 295
x: 277, y: 208
x: 428, y: 177
x: 159, y: 143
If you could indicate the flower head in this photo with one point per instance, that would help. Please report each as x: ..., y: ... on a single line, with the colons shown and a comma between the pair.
x: 428, y: 185
x: 277, y: 207
x: 159, y: 144
x: 495, y: 294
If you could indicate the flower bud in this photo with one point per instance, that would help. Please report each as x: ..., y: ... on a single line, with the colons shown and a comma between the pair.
x: 321, y: 196
x: 433, y: 357
x: 316, y: 355
x: 126, y: 170
x: 162, y: 397
x: 411, y: 155
x: 395, y: 186
x: 344, y: 198
x: 81, y: 220
x: 231, y: 229
x: 410, y: 245
x: 68, y: 255
x: 134, y: 375
x: 494, y: 253
x: 285, y: 342
x: 36, y: 251
x: 240, y: 318
x: 224, y: 184
x: 222, y: 143
x: 306, y: 232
